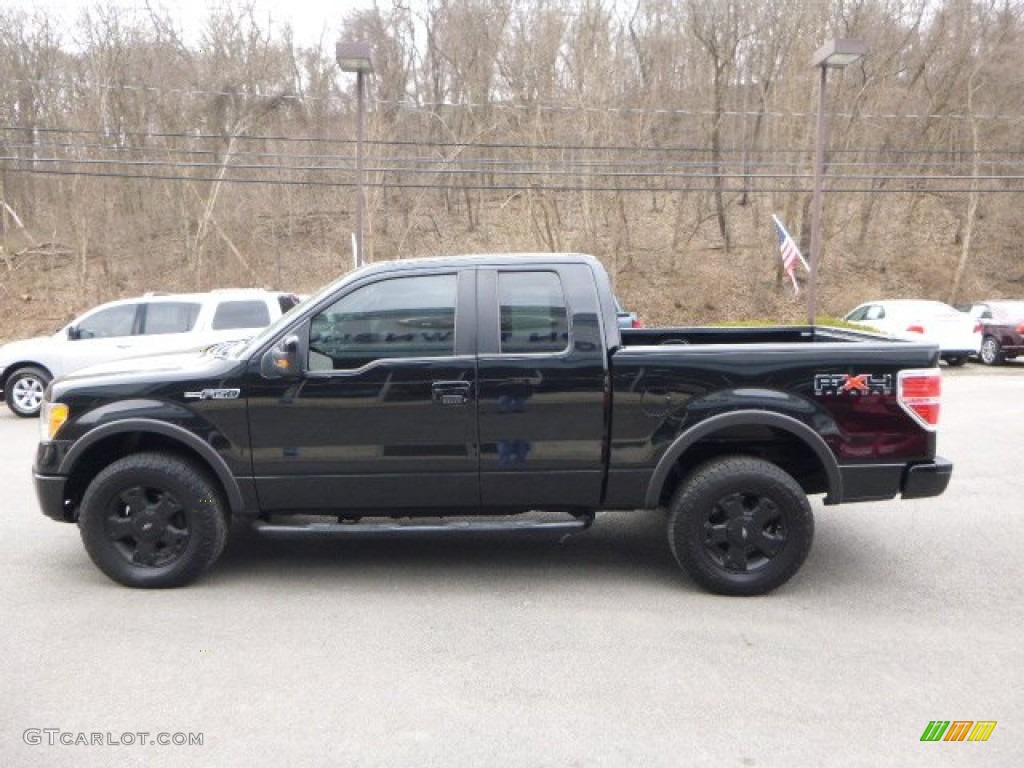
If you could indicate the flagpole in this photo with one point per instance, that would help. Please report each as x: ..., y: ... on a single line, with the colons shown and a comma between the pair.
x: 819, y: 173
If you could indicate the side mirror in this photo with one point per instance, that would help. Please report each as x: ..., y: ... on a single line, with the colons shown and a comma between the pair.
x: 282, y: 359
x: 73, y: 333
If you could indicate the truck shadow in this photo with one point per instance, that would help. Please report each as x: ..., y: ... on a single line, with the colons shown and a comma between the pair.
x: 620, y: 548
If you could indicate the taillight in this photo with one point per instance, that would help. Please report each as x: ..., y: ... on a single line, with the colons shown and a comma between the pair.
x: 977, y: 327
x: 919, y: 393
x: 915, y: 328
x: 636, y: 323
x: 1020, y: 328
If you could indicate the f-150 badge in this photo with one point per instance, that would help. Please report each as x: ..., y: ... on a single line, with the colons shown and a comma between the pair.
x: 852, y: 384
x: 213, y: 394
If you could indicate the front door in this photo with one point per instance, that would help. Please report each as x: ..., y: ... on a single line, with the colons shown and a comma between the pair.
x: 384, y: 417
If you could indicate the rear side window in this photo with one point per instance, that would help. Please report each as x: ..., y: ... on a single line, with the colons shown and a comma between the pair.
x: 534, y: 316
x: 241, y: 314
x: 400, y: 317
x: 109, y: 322
x: 170, y: 317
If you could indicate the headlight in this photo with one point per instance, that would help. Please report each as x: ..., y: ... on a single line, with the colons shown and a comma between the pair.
x: 51, y: 418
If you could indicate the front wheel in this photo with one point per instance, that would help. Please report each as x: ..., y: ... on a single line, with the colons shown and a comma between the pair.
x: 991, y: 351
x: 955, y: 361
x: 24, y: 391
x: 153, y: 520
x: 740, y: 526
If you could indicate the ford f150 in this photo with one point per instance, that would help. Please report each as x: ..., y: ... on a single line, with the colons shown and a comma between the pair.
x: 487, y: 386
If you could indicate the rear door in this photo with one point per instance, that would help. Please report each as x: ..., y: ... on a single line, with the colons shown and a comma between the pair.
x: 542, y: 388
x: 166, y: 325
x: 384, y: 418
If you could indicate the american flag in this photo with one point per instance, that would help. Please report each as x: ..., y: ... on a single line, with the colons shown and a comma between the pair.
x: 790, y: 254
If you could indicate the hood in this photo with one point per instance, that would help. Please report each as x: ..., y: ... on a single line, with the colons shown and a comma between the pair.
x: 15, y: 350
x: 158, y: 368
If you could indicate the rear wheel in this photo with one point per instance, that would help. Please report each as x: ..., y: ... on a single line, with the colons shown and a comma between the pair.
x: 24, y: 390
x: 991, y: 351
x: 740, y: 526
x: 955, y: 361
x: 153, y: 520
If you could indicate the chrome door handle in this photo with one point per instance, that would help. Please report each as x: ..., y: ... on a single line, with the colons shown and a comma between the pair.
x: 451, y: 392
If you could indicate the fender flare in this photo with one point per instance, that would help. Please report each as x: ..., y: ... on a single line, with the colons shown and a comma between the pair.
x: 713, y: 424
x: 213, y: 460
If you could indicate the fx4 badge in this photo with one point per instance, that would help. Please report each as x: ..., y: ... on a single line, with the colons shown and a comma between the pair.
x: 213, y: 394
x: 847, y: 384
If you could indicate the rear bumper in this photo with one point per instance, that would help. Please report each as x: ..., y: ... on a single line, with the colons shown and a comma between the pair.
x: 945, y: 354
x: 923, y: 480
x: 875, y: 482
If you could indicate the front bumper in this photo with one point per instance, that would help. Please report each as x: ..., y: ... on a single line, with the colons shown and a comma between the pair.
x: 923, y: 480
x: 50, y: 492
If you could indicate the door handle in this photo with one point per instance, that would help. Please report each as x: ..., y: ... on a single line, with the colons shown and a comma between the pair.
x: 451, y: 392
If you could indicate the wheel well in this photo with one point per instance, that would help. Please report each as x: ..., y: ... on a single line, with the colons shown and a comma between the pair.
x: 106, y: 451
x: 13, y: 368
x: 773, y: 444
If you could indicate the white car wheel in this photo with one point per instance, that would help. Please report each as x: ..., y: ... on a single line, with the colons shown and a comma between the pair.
x: 24, y: 391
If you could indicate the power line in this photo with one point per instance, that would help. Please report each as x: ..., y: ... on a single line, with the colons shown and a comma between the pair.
x: 513, y: 171
x: 747, y: 153
x: 743, y: 166
x: 833, y: 187
x: 432, y: 106
x: 482, y: 166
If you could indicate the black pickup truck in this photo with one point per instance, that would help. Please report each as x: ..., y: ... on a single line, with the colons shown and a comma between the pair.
x: 422, y: 393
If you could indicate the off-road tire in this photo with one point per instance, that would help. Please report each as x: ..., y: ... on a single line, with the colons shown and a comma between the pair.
x: 153, y: 520
x: 740, y: 526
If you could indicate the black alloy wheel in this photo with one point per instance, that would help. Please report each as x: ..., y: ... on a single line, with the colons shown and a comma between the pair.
x: 740, y: 526
x: 152, y: 520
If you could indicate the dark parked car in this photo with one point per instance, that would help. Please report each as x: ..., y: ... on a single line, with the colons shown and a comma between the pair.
x: 1002, y: 329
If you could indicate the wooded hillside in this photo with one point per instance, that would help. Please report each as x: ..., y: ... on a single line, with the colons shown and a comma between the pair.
x: 659, y: 135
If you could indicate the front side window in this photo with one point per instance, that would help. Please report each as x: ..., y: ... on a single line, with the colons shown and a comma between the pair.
x: 399, y: 317
x: 534, y: 317
x: 109, y: 322
x: 252, y: 313
x: 170, y: 317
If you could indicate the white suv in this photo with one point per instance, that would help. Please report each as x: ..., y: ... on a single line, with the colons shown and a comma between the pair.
x: 150, y: 324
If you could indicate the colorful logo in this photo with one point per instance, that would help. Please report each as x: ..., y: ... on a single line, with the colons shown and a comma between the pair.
x: 958, y: 730
x: 857, y: 384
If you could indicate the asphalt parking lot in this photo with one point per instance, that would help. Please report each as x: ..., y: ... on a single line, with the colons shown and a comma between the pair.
x: 512, y: 651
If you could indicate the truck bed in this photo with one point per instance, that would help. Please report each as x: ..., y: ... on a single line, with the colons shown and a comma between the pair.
x: 796, y: 334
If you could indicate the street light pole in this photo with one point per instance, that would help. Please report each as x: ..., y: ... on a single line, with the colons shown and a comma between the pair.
x: 834, y: 54
x: 358, y: 58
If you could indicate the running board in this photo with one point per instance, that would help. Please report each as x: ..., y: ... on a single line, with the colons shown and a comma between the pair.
x: 414, y: 528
